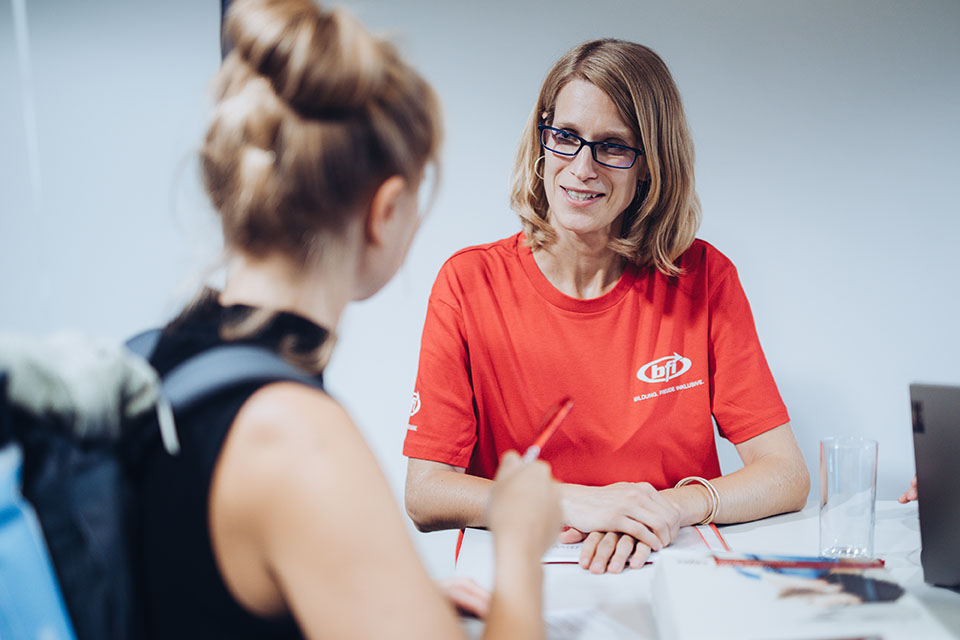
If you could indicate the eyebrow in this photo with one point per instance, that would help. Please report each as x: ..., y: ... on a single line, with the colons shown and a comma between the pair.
x: 623, y: 135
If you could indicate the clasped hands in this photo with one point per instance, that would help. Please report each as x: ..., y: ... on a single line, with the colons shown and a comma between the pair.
x: 619, y: 524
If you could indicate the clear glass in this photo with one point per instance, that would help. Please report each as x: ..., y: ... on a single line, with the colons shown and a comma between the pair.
x: 848, y: 496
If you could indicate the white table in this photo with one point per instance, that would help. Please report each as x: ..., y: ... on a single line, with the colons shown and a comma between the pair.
x: 580, y: 605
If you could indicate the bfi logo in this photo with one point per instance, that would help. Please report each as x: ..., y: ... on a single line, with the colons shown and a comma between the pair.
x: 415, y: 406
x: 663, y: 369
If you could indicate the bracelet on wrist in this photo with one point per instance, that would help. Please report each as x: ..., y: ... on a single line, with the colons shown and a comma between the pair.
x: 712, y: 490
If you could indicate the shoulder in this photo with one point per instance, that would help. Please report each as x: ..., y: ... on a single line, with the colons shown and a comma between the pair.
x: 483, y: 254
x: 291, y: 455
x: 290, y: 468
x: 288, y: 415
x: 284, y: 433
x: 703, y: 255
x: 704, y: 261
x: 478, y: 265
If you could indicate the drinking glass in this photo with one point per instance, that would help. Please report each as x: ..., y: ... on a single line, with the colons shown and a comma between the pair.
x: 848, y: 496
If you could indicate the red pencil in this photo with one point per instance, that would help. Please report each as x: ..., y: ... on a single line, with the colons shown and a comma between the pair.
x: 552, y: 420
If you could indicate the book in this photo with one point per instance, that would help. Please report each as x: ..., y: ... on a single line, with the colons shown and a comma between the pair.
x: 742, y: 597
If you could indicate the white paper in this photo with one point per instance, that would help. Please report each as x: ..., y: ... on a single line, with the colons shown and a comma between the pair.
x: 695, y: 538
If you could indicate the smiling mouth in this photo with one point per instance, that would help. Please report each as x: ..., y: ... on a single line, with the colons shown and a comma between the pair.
x: 581, y: 195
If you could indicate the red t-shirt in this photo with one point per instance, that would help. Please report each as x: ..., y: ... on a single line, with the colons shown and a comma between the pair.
x: 647, y: 364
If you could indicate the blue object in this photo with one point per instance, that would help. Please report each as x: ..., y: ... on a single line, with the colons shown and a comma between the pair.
x: 30, y: 598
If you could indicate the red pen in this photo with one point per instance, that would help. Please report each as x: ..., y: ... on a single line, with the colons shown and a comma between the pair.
x: 552, y: 421
x: 775, y: 562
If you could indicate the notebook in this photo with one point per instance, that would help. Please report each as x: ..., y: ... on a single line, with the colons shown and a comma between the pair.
x: 936, y: 446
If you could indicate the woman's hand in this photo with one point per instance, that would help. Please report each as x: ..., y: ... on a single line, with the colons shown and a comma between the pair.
x: 467, y: 596
x: 524, y: 505
x: 910, y: 494
x: 607, y: 552
x: 633, y: 508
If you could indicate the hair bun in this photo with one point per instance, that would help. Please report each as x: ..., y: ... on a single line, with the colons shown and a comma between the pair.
x: 319, y: 62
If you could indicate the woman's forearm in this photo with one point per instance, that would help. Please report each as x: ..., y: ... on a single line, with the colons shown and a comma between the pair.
x: 766, y: 487
x: 769, y: 486
x: 440, y: 497
x: 524, y: 517
x: 447, y: 499
x: 774, y: 479
x: 517, y: 602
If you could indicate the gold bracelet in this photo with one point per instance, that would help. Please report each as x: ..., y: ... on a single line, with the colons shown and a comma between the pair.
x: 712, y: 490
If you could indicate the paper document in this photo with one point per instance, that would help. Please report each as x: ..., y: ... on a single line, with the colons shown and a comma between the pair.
x: 699, y: 537
x: 477, y: 545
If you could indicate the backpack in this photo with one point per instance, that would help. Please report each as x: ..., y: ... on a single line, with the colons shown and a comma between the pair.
x: 67, y: 569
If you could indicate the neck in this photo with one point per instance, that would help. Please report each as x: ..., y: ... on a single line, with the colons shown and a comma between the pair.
x: 580, y: 266
x: 318, y: 294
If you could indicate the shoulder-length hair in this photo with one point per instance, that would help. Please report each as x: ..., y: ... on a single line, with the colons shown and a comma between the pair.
x: 662, y: 221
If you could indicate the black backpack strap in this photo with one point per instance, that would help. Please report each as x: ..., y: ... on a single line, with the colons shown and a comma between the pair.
x: 217, y: 370
x: 225, y: 367
x: 144, y: 343
x: 209, y: 373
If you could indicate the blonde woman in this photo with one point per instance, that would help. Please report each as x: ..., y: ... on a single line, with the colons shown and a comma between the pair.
x: 274, y: 520
x: 606, y: 296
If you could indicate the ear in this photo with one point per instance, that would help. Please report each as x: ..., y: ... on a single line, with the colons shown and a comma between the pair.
x: 384, y: 207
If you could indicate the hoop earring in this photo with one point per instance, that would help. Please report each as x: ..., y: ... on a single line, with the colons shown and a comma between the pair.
x: 539, y: 175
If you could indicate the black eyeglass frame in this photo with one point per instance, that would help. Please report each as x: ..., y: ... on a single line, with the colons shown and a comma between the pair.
x: 637, y: 152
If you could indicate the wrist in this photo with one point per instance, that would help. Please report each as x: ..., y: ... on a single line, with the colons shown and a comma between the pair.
x: 517, y: 567
x: 516, y: 604
x: 569, y: 497
x: 516, y: 545
x: 693, y: 501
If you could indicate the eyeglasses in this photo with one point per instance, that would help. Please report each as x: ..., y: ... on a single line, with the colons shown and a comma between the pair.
x: 608, y: 154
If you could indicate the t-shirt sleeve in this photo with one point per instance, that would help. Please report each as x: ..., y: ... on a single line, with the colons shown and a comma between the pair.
x: 443, y: 422
x: 743, y: 396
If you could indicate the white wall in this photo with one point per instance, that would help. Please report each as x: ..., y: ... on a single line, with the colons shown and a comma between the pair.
x: 827, y: 138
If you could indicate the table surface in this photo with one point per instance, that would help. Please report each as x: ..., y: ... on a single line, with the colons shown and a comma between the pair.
x: 580, y: 605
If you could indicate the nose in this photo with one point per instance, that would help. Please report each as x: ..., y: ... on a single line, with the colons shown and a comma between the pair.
x: 583, y: 166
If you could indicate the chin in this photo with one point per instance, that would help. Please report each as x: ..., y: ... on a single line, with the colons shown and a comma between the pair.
x: 367, y: 292
x: 582, y: 223
x: 372, y: 285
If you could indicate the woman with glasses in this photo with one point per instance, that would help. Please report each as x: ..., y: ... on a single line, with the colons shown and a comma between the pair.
x: 274, y: 520
x: 607, y: 297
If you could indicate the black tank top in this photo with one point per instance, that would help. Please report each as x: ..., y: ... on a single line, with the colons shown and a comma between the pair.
x: 184, y: 594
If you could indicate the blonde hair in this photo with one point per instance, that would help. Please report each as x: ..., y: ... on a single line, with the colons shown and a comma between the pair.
x: 313, y: 113
x: 662, y: 221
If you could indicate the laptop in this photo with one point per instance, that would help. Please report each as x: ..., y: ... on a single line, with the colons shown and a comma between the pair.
x: 936, y: 446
